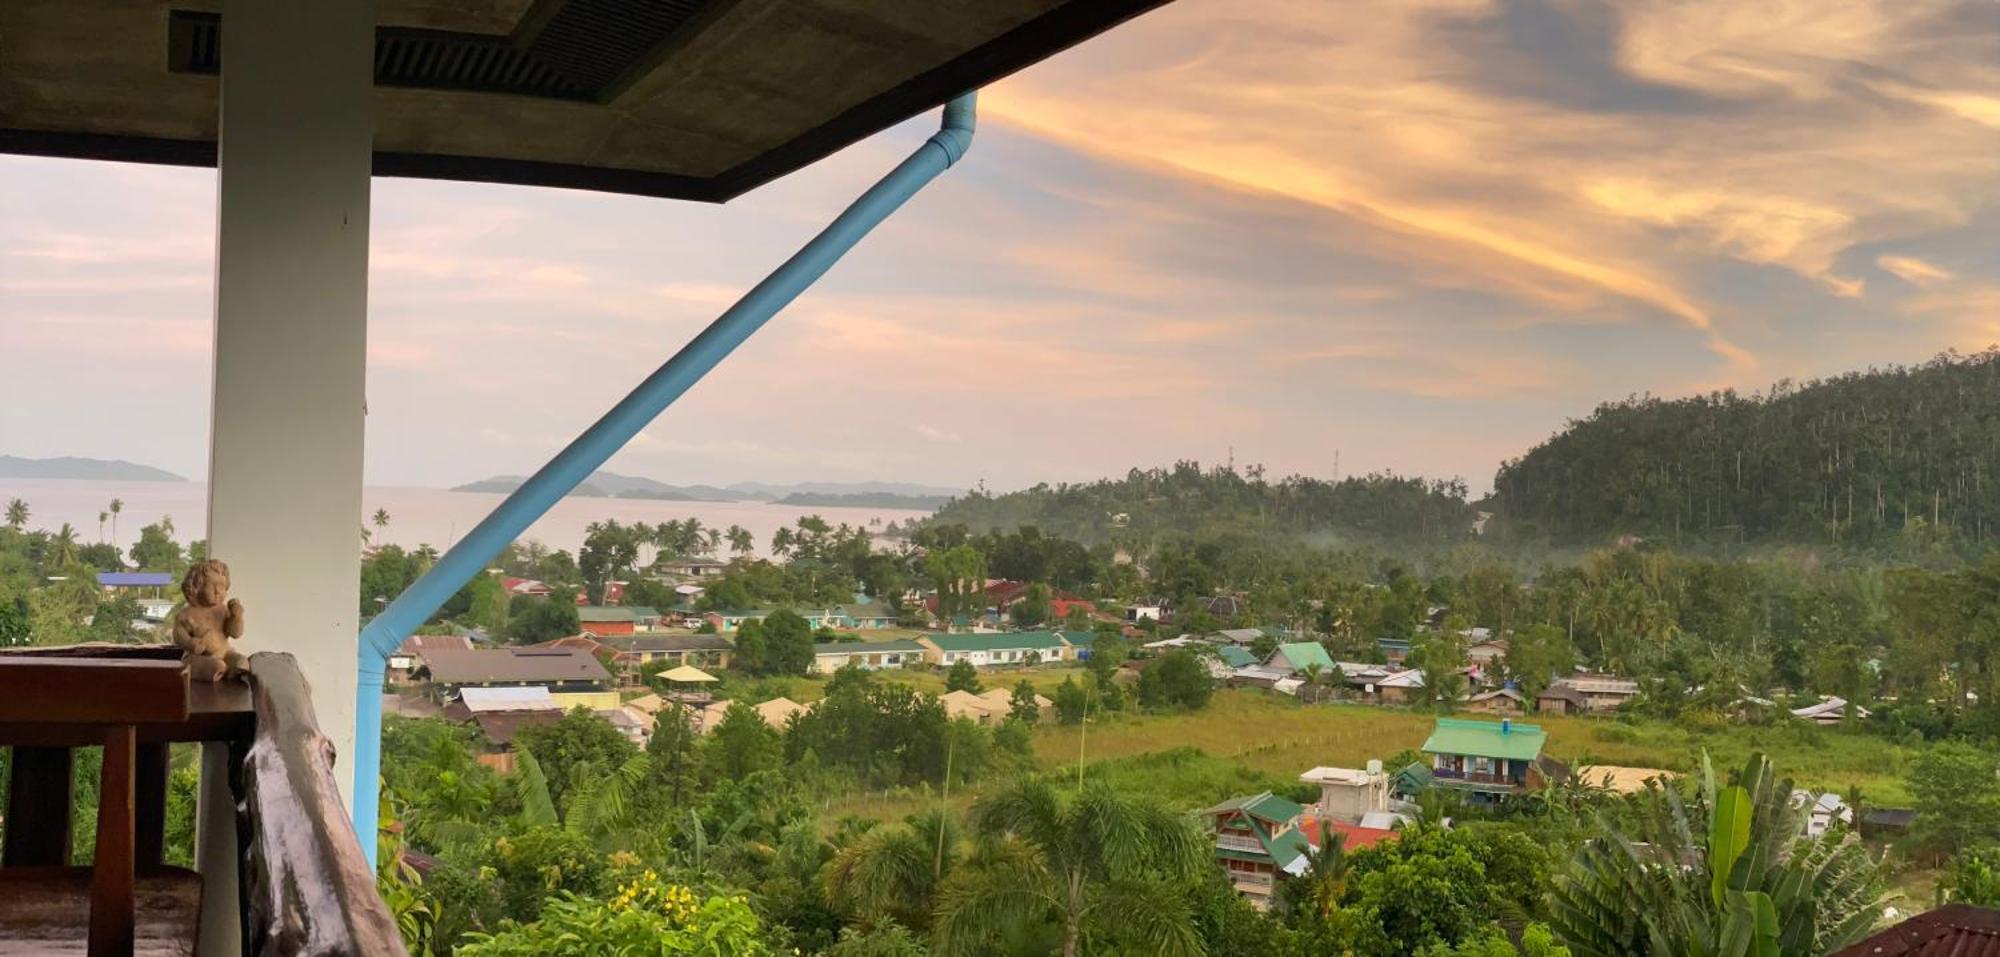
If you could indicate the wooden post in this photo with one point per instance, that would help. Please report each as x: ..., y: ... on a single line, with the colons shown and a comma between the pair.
x: 112, y: 868
x: 150, y: 815
x: 38, y: 799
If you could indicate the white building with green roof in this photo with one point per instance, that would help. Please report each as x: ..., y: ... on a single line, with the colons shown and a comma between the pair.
x: 1003, y: 649
x: 829, y: 657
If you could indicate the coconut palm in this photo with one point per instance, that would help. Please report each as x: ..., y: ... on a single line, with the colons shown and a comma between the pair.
x: 1101, y: 860
x: 62, y: 547
x: 1727, y: 877
x: 17, y: 513
x: 381, y: 518
x: 1320, y: 887
x: 117, y: 505
x: 740, y: 540
x: 894, y: 871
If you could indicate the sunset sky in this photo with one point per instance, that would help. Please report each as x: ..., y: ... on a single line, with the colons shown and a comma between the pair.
x: 1418, y: 236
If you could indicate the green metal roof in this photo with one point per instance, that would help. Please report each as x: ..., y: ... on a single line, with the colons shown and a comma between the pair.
x: 1235, y: 657
x: 1036, y: 640
x: 865, y: 647
x: 1288, y: 847
x: 1413, y: 778
x: 603, y: 613
x: 1263, y: 806
x: 871, y: 609
x: 1486, y: 739
x: 1303, y: 654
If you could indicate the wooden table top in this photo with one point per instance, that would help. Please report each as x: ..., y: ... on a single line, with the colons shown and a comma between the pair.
x: 217, y: 711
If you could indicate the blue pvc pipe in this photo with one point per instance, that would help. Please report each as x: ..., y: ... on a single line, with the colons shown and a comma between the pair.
x: 598, y: 443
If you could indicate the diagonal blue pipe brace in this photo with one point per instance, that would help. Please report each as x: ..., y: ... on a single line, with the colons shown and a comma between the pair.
x: 598, y: 443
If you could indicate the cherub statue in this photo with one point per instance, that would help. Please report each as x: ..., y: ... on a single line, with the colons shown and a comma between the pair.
x: 204, y: 625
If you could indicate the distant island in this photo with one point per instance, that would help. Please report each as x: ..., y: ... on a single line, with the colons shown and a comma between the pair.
x: 916, y: 503
x: 69, y: 467
x: 809, y: 494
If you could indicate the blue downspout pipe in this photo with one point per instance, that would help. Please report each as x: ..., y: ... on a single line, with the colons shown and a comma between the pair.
x: 598, y: 443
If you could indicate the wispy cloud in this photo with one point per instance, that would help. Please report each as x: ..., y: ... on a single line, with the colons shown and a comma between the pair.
x: 1425, y: 233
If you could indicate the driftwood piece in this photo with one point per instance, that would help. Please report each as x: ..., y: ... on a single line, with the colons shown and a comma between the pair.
x: 307, y: 885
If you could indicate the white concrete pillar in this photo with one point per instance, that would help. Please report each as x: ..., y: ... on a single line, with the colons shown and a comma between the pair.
x: 291, y: 312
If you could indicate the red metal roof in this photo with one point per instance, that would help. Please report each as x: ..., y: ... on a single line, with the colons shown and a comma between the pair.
x: 1355, y: 837
x: 1955, y: 930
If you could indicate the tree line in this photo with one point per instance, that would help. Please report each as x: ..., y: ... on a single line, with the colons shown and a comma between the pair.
x: 1903, y: 456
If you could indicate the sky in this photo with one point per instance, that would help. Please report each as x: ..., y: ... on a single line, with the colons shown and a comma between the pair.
x: 1328, y: 238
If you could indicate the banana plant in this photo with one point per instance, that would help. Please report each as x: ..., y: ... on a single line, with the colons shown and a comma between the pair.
x: 1731, y: 876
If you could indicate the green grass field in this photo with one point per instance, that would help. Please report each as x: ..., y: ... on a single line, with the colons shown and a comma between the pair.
x: 1278, y: 736
x: 928, y: 680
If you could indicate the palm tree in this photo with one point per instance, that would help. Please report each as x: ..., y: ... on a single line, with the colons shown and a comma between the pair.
x: 62, y: 547
x: 1100, y: 857
x: 381, y: 518
x: 740, y: 540
x: 17, y: 513
x: 117, y: 505
x: 101, y: 517
x: 1730, y: 876
x: 1320, y: 887
x: 781, y: 542
x: 894, y: 870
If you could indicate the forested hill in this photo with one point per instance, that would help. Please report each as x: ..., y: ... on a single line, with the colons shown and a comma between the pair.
x: 1220, y: 502
x: 1896, y: 454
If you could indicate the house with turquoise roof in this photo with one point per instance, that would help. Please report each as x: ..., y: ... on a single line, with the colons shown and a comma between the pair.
x: 1490, y: 760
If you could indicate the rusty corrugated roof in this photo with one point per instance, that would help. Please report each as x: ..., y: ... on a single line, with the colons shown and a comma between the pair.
x: 1955, y: 930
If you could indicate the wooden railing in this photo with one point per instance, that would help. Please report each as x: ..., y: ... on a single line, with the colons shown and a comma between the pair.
x: 305, y: 886
x: 1475, y: 777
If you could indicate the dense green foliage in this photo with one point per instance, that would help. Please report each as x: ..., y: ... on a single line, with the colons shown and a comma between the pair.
x: 1151, y: 505
x: 1730, y: 874
x: 1904, y: 455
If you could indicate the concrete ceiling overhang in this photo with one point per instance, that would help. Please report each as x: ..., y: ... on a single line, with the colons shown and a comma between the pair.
x: 688, y: 99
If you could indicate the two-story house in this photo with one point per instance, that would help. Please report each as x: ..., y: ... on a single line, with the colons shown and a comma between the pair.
x: 697, y: 650
x: 1257, y: 837
x: 1488, y: 759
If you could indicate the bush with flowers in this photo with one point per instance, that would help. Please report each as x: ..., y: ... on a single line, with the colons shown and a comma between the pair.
x: 647, y: 917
